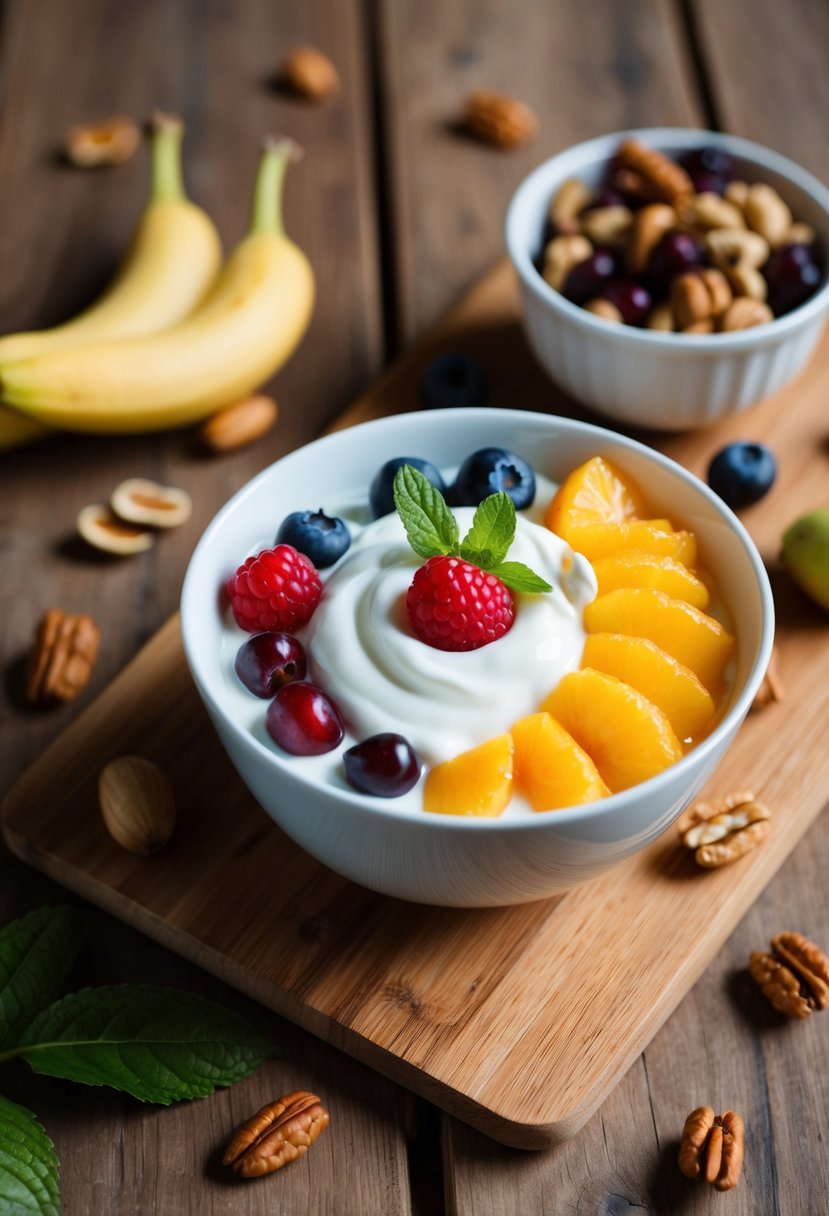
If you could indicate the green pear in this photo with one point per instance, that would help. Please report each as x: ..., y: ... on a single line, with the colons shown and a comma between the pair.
x: 806, y: 551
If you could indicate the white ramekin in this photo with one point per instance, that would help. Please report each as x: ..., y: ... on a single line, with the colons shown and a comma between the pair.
x: 439, y: 859
x: 639, y: 376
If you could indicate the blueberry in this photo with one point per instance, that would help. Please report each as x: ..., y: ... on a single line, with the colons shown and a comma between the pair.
x: 453, y: 381
x: 322, y: 538
x: 742, y: 473
x: 489, y: 470
x: 381, y: 493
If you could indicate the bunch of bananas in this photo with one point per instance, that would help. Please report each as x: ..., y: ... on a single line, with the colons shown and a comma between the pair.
x: 176, y: 336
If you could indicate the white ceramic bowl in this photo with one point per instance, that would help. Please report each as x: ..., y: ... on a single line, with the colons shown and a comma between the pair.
x: 442, y: 859
x: 639, y: 376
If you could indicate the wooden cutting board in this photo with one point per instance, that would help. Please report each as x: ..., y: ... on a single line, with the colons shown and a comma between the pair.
x: 518, y: 1020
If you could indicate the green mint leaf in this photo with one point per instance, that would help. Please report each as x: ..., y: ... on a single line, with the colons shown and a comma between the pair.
x: 36, y: 954
x: 158, y: 1044
x: 493, y: 530
x: 519, y: 577
x: 29, y: 1168
x: 430, y: 525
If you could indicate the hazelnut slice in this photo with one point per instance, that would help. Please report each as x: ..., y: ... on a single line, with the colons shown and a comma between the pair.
x: 103, y: 530
x: 139, y: 501
x: 110, y: 142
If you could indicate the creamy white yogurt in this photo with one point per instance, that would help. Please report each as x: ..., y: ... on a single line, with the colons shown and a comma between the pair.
x: 364, y: 653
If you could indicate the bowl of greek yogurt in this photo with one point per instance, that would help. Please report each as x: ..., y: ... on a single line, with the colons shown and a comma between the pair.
x: 487, y: 844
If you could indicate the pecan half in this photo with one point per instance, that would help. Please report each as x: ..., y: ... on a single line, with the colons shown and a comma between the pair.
x: 711, y: 1147
x: 794, y: 977
x: 276, y: 1135
x: 722, y: 831
x: 667, y: 180
x: 62, y: 656
x: 503, y: 122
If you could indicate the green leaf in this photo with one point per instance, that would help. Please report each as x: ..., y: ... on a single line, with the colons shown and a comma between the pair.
x: 29, y: 1168
x: 36, y: 954
x: 493, y: 530
x: 430, y: 525
x: 519, y: 577
x: 158, y: 1044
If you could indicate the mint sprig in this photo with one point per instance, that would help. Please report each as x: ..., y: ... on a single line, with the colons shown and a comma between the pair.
x: 36, y: 954
x: 432, y: 530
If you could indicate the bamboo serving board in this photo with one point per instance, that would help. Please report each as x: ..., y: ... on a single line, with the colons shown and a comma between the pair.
x: 518, y: 1020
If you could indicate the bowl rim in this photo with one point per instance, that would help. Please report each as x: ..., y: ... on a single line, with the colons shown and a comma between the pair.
x: 617, y: 803
x: 519, y: 243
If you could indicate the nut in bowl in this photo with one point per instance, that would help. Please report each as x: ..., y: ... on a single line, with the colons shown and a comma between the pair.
x: 676, y: 308
x: 489, y: 854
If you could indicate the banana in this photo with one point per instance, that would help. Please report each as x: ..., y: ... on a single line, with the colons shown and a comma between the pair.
x: 171, y: 263
x: 250, y: 322
x: 173, y: 258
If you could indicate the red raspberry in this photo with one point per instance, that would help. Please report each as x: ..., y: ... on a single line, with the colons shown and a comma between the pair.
x: 454, y: 605
x: 277, y: 589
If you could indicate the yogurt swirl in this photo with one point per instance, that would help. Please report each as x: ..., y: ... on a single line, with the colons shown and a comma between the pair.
x: 363, y: 651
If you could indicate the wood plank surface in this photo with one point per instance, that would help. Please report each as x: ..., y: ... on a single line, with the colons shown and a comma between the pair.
x: 584, y: 68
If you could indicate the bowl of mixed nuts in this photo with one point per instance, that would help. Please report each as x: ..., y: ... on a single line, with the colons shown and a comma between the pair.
x: 671, y: 277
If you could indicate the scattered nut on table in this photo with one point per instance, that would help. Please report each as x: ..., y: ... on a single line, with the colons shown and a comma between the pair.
x: 239, y: 424
x: 499, y: 120
x: 276, y: 1135
x: 62, y: 656
x: 111, y: 142
x: 772, y: 689
x: 794, y: 977
x: 711, y: 1147
x: 724, y: 830
x: 137, y: 803
x: 139, y: 501
x: 100, y: 527
x: 309, y: 73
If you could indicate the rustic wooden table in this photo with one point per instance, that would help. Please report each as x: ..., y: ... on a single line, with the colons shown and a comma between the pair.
x: 398, y: 214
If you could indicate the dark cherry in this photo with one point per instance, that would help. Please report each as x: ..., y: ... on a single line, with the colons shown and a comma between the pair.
x: 385, y: 766
x: 304, y: 720
x: 587, y: 278
x: 792, y: 275
x: 709, y: 160
x: 675, y: 253
x: 708, y: 183
x: 633, y: 301
x: 606, y: 196
x: 269, y: 660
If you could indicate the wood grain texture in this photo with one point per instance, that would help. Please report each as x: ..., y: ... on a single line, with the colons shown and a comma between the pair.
x: 501, y: 1016
x: 584, y: 68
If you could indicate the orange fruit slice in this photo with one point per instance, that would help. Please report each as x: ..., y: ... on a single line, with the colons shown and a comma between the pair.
x: 692, y: 638
x: 477, y: 782
x: 638, y: 568
x: 551, y: 770
x: 656, y: 536
x: 644, y: 666
x: 594, y: 493
x: 628, y: 738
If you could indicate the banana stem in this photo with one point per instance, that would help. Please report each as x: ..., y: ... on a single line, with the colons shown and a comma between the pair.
x: 267, y: 191
x: 166, y: 132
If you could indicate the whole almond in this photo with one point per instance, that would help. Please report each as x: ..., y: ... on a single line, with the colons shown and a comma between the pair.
x: 239, y: 424
x: 309, y: 73
x: 137, y: 804
x: 499, y: 120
